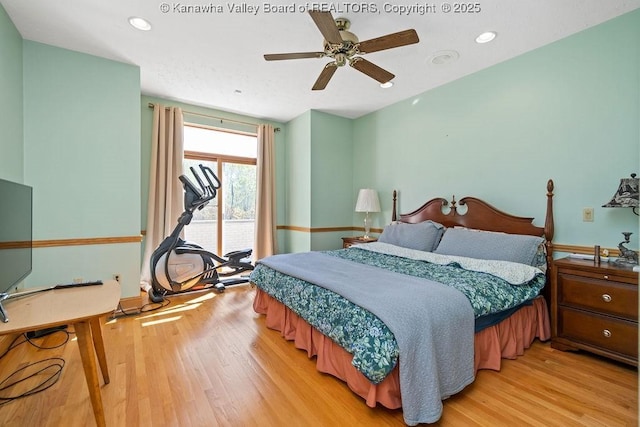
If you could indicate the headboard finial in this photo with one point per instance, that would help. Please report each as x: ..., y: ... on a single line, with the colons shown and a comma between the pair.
x: 549, y: 227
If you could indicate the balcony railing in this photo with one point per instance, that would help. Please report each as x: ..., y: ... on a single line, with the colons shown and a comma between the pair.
x: 237, y: 234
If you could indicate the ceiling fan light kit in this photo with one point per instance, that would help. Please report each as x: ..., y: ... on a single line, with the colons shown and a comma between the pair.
x: 344, y: 47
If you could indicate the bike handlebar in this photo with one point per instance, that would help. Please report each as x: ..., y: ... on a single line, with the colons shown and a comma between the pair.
x: 197, y: 198
x: 200, y: 182
x: 208, y: 174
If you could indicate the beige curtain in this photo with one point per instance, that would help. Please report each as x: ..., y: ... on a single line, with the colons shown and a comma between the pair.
x: 265, y: 234
x: 165, y: 191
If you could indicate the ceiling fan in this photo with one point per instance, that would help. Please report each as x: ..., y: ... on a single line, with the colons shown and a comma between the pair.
x: 344, y: 47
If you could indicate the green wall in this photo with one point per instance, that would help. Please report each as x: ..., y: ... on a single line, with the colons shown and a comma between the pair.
x: 332, y: 202
x: 567, y: 111
x: 298, y: 185
x: 318, y: 180
x: 71, y: 129
x: 11, y: 116
x: 82, y: 157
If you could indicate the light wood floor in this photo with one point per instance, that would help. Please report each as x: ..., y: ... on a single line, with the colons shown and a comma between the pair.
x: 208, y: 360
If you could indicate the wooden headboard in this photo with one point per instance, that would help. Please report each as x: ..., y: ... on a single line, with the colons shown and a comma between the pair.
x: 482, y: 216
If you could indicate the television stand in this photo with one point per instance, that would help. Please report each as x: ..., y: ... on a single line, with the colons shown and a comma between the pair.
x: 5, y: 296
x: 80, y: 306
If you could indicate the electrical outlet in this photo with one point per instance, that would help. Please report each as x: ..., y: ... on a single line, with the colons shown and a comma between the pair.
x: 116, y: 277
x: 587, y: 214
x: 77, y: 280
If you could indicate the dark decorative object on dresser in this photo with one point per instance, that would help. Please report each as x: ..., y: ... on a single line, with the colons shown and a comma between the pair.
x: 595, y: 308
x: 627, y: 256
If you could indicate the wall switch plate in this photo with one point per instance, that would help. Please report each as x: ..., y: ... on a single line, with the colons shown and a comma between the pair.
x: 587, y: 214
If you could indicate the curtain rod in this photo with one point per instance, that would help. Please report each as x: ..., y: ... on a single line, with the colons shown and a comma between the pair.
x: 222, y: 119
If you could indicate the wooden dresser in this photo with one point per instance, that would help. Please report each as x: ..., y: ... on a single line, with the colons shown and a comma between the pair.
x: 595, y: 308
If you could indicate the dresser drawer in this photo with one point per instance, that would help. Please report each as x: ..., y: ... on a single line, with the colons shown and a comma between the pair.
x: 607, y: 275
x: 610, y: 334
x: 604, y: 296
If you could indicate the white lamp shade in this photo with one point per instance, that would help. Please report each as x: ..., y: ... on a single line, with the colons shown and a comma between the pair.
x: 368, y: 201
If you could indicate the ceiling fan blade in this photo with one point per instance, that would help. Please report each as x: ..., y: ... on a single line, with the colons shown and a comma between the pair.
x: 325, y: 76
x: 371, y: 69
x: 297, y: 55
x: 327, y: 26
x: 389, y: 41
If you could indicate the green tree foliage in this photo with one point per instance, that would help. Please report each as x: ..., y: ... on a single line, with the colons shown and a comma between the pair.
x: 238, y: 189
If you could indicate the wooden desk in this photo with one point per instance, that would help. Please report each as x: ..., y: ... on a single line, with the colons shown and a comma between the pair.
x: 81, y: 307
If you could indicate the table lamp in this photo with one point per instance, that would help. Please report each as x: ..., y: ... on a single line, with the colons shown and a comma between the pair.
x: 626, y: 197
x: 367, y: 202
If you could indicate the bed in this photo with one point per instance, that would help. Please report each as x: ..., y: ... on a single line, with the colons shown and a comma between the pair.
x: 405, y: 322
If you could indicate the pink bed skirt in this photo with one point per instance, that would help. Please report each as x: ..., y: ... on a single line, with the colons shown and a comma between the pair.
x: 507, y: 340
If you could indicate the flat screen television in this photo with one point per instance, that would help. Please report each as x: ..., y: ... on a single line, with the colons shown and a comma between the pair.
x: 16, y: 202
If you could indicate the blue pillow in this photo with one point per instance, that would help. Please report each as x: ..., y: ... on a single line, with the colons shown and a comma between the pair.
x: 490, y: 245
x: 423, y: 236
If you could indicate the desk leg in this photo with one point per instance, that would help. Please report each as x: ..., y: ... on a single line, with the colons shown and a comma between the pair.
x: 96, y: 332
x: 85, y: 343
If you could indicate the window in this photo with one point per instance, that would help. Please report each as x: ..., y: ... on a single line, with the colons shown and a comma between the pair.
x: 232, y: 157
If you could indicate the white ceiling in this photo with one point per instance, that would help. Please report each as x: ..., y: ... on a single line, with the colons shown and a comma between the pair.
x: 205, y: 58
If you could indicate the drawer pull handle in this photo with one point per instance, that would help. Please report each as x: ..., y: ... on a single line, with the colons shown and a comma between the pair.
x: 606, y: 333
x: 606, y: 277
x: 606, y: 297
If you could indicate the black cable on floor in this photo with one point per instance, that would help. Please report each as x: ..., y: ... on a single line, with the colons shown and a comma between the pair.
x: 50, y: 380
x: 121, y: 312
x: 66, y: 340
x: 56, y: 370
x: 14, y: 345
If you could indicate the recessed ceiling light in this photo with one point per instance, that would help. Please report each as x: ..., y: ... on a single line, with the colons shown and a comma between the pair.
x: 486, y: 37
x: 386, y: 85
x: 140, y: 23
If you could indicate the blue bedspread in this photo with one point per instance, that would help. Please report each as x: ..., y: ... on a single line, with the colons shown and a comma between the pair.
x: 369, y: 339
x: 400, y: 301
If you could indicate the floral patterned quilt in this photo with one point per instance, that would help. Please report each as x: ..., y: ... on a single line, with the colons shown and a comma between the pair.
x: 373, y: 346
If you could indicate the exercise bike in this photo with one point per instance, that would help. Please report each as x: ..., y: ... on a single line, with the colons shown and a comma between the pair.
x: 179, y: 266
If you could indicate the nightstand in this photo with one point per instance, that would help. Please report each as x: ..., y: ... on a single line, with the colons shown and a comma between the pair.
x: 595, y: 308
x: 348, y: 241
